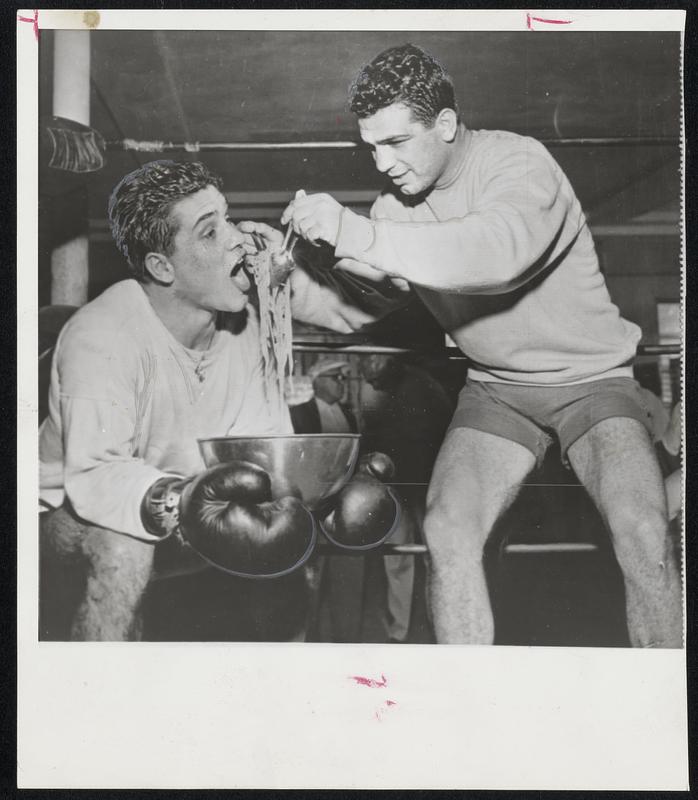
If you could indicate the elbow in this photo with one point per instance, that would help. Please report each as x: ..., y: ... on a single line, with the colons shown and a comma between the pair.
x: 513, y: 250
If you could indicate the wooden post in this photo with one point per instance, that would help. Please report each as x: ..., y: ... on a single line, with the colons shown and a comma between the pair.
x: 71, y: 99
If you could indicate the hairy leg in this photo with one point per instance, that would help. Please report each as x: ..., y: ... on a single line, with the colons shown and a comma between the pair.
x: 113, y: 571
x: 476, y: 477
x: 616, y: 463
x: 118, y: 571
x: 61, y: 574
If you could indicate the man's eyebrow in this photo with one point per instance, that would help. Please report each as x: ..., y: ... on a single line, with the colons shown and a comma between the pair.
x: 204, y: 217
x: 393, y: 138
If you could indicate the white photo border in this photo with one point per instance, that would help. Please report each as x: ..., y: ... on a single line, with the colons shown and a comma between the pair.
x: 291, y: 716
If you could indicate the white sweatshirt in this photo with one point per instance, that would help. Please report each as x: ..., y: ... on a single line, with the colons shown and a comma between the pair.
x: 126, y: 408
x: 503, y: 258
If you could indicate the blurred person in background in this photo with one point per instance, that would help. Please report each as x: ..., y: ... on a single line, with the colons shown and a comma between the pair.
x: 337, y: 580
x: 326, y: 411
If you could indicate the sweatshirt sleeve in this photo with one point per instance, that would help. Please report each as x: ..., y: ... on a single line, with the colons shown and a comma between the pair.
x: 499, y: 244
x: 103, y: 478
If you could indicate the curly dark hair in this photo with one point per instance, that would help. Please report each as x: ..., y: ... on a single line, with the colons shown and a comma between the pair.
x: 405, y: 74
x: 140, y: 205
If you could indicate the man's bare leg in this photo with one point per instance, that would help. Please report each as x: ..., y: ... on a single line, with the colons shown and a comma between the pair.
x: 616, y: 463
x: 476, y: 478
x: 117, y: 567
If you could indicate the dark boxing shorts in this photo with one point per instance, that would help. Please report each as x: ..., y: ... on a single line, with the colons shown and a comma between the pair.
x: 530, y: 415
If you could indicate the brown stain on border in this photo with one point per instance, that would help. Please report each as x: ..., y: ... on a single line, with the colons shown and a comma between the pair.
x: 91, y: 19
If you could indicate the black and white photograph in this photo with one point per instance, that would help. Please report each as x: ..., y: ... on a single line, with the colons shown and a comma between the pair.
x: 343, y: 337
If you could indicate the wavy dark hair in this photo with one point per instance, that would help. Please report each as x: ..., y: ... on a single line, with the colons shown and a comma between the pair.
x: 405, y: 74
x: 140, y: 208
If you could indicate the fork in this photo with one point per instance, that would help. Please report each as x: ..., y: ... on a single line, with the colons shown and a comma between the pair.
x: 282, y: 263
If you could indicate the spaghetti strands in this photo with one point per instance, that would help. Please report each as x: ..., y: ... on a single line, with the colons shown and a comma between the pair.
x: 275, y: 324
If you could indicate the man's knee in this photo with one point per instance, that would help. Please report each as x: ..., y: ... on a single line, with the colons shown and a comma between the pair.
x: 453, y: 535
x: 118, y: 572
x: 101, y: 573
x: 638, y: 532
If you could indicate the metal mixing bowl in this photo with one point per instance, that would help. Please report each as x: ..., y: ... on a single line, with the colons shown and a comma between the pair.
x: 309, y: 466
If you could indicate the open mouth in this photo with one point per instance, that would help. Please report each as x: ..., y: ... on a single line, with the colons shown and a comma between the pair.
x: 238, y: 265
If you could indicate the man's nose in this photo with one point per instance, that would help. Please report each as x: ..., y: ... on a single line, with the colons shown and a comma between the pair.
x: 236, y: 238
x: 384, y: 159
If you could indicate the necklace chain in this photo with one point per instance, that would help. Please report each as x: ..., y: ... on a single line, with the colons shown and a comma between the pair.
x: 199, y: 368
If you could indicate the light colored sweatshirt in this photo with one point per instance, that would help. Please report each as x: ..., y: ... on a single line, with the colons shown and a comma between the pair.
x: 126, y: 408
x: 503, y: 258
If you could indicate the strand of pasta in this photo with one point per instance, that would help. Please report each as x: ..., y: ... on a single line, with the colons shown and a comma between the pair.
x: 275, y: 323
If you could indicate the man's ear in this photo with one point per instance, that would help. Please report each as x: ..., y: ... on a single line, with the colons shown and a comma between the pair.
x: 447, y: 122
x: 159, y: 268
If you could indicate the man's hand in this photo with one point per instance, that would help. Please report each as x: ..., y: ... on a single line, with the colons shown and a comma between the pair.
x: 319, y: 305
x: 315, y: 217
x: 367, y: 271
x: 270, y: 236
x: 310, y: 302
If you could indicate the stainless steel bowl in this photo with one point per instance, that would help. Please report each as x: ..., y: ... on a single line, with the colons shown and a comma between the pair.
x: 309, y: 466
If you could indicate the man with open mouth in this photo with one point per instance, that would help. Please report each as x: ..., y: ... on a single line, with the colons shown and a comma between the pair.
x: 143, y: 371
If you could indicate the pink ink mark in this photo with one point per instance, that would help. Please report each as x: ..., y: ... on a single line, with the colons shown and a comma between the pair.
x: 35, y: 21
x: 531, y: 19
x: 390, y: 703
x: 372, y: 682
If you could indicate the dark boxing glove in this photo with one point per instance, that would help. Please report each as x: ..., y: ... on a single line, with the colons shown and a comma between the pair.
x: 378, y: 465
x: 228, y: 516
x: 366, y: 512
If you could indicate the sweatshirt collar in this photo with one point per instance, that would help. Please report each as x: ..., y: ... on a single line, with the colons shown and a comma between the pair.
x: 461, y: 148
